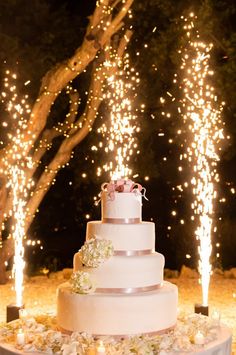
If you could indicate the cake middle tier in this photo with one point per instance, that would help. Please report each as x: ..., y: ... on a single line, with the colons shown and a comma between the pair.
x: 140, y: 236
x: 126, y: 271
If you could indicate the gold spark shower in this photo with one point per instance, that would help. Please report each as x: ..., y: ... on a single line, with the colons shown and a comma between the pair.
x: 17, y: 174
x: 18, y: 231
x: 202, y: 116
x: 121, y: 127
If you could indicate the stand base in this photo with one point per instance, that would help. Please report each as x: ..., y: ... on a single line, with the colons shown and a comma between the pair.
x: 13, y: 312
x: 200, y: 309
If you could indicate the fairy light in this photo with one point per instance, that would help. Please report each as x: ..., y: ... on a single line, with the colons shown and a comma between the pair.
x: 202, y: 117
x: 99, y: 23
x: 37, y: 141
x: 16, y: 175
x: 118, y: 133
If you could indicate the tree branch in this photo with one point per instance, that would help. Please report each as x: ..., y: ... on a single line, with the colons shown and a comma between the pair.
x: 117, y: 21
x: 57, y: 78
x: 80, y: 130
x: 102, y: 25
x: 60, y: 129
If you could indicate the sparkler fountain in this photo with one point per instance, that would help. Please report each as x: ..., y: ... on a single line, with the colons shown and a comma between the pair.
x: 202, y: 116
x: 119, y: 133
x: 18, y: 185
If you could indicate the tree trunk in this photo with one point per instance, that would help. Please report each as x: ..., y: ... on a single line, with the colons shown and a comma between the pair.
x: 6, y: 252
x: 96, y: 44
x: 3, y: 278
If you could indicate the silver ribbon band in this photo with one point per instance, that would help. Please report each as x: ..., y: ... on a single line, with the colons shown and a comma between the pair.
x: 125, y: 336
x: 128, y: 290
x: 122, y: 336
x: 121, y: 220
x: 132, y: 252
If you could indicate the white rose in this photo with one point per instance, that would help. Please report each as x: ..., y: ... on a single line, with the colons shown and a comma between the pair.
x: 70, y: 349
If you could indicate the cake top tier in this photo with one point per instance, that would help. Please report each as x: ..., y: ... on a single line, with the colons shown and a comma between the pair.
x: 121, y: 202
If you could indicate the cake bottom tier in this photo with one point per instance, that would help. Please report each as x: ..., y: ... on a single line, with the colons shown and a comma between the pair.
x: 115, y: 314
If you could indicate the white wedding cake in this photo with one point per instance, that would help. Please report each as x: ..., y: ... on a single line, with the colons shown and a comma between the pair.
x: 117, y: 286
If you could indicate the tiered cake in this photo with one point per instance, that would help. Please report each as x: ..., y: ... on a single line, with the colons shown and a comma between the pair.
x: 117, y: 287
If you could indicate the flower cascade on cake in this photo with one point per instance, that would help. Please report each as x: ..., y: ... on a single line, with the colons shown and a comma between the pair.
x: 82, y: 283
x: 93, y: 253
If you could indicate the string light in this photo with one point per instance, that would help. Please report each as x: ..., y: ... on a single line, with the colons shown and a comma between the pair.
x: 27, y: 132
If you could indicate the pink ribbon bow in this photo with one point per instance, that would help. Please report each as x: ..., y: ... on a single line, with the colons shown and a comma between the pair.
x: 121, y: 185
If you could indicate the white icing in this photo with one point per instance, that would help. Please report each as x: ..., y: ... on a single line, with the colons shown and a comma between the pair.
x: 117, y: 314
x: 126, y: 271
x: 111, y: 311
x: 139, y: 236
x: 126, y: 205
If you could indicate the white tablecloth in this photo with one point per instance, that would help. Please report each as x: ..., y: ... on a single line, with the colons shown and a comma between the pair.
x: 221, y: 346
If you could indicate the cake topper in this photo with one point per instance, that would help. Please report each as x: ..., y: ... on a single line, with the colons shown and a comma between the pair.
x: 123, y: 185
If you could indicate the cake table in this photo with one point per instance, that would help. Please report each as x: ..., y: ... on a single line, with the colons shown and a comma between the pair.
x: 117, y: 289
x: 220, y: 346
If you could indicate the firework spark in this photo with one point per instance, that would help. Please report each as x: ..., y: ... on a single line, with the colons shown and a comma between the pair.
x: 16, y: 174
x: 118, y: 134
x: 18, y: 230
x: 202, y: 116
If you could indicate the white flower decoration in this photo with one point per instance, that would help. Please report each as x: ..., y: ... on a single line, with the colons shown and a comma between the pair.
x: 43, y: 336
x: 95, y: 251
x: 81, y: 282
x: 70, y: 349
